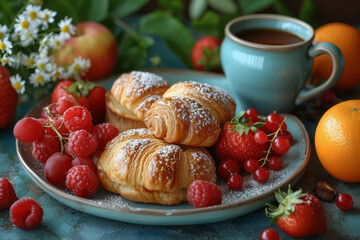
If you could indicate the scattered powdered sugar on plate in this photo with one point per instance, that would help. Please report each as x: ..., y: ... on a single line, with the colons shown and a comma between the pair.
x: 251, y: 188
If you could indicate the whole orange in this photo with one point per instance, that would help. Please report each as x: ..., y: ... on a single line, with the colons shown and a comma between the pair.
x: 347, y: 39
x: 337, y: 141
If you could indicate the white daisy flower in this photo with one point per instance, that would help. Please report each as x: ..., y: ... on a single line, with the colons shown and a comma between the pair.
x: 28, y: 36
x: 39, y: 78
x: 3, y: 31
x: 30, y: 60
x: 22, y: 23
x: 47, y: 16
x: 33, y: 12
x: 43, y: 63
x: 55, y: 71
x: 79, y: 66
x: 18, y: 84
x: 56, y: 41
x: 12, y: 61
x: 6, y: 45
x: 64, y: 73
x: 4, y: 60
x: 66, y: 28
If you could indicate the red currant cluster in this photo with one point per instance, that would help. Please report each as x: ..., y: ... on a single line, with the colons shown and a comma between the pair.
x: 64, y: 140
x: 271, y: 132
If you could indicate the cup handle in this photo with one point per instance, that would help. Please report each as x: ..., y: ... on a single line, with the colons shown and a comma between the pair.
x: 337, y: 68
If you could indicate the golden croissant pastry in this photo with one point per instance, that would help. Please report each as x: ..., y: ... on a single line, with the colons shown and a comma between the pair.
x: 190, y: 113
x: 131, y: 96
x: 142, y: 168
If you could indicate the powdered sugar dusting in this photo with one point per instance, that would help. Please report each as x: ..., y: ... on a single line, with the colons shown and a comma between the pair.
x: 163, y: 166
x: 143, y: 82
x: 146, y: 103
x: 201, y: 164
x: 188, y: 110
x: 251, y: 188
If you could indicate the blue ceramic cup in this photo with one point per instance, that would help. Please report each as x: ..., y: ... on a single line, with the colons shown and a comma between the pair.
x: 273, y: 77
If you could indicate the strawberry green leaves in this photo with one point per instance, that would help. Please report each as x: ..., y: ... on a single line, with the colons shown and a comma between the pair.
x: 242, y: 124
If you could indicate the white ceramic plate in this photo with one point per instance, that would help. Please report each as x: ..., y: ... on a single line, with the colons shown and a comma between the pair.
x: 235, y: 203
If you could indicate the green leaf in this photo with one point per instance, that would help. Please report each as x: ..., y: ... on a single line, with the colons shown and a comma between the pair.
x: 123, y: 8
x: 176, y: 34
x: 224, y: 6
x: 174, y: 7
x: 64, y: 8
x: 208, y: 24
x: 281, y: 8
x: 307, y: 11
x: 197, y: 8
x: 253, y: 6
x: 6, y: 14
x: 98, y: 10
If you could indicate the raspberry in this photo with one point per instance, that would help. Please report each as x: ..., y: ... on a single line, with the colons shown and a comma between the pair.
x: 82, y: 181
x: 76, y: 118
x: 204, y: 194
x: 26, y: 213
x: 56, y: 168
x: 85, y: 161
x: 28, y: 130
x: 7, y: 193
x: 82, y: 143
x: 104, y: 133
x: 45, y: 147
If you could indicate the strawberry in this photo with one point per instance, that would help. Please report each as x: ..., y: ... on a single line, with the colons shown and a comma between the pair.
x: 299, y: 214
x: 86, y: 94
x: 96, y: 99
x: 237, y: 140
x: 8, y: 98
x: 205, y: 55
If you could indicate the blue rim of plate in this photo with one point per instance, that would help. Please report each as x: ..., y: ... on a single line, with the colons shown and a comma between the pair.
x: 167, y: 217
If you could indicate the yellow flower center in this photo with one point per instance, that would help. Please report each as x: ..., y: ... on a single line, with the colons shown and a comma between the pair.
x: 57, y: 43
x: 39, y: 79
x: 46, y: 18
x: 30, y: 62
x: 25, y: 24
x: 4, y: 60
x: 41, y: 66
x: 56, y: 74
x: 65, y: 29
x: 33, y: 15
x: 17, y: 86
x: 2, y: 46
x: 1, y: 35
x: 77, y: 68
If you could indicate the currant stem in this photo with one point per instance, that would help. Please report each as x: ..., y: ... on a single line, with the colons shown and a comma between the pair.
x: 266, y: 158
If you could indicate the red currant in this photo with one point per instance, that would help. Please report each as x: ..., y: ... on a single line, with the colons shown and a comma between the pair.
x: 281, y: 145
x: 227, y: 167
x: 28, y: 130
x: 261, y: 174
x: 274, y: 163
x: 260, y: 137
x: 273, y: 121
x: 251, y: 165
x: 344, y: 201
x: 235, y: 181
x: 49, y: 110
x: 269, y: 234
x: 58, y: 123
x: 251, y: 113
x: 56, y: 168
x: 64, y: 103
x: 287, y: 135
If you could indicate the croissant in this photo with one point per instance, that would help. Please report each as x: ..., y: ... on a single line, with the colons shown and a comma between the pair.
x: 142, y: 168
x: 190, y: 113
x: 131, y: 96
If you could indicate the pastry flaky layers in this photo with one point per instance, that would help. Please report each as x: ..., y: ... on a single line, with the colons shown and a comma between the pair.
x: 131, y: 96
x: 142, y: 168
x: 190, y: 113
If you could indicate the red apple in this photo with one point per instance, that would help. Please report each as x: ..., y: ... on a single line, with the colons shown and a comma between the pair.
x: 92, y: 41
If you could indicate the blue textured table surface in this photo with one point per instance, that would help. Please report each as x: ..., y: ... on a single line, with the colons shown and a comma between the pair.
x: 62, y: 222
